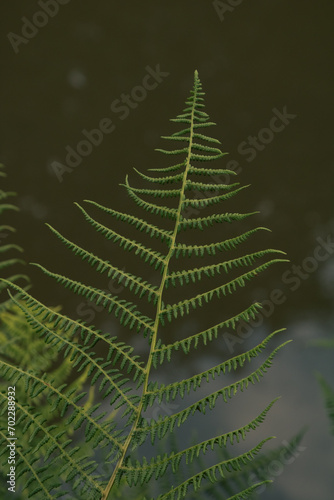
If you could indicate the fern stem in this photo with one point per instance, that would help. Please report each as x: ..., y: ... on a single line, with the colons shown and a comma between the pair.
x: 159, y: 302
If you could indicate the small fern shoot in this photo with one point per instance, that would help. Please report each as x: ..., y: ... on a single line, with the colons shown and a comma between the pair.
x: 175, y: 208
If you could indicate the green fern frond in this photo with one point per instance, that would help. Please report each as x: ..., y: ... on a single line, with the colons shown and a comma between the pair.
x: 200, y: 186
x: 125, y: 380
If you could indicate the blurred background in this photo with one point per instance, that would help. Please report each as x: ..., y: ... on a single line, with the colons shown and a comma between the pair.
x: 267, y: 71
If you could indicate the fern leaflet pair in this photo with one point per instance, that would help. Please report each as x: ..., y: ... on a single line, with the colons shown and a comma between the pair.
x: 128, y: 384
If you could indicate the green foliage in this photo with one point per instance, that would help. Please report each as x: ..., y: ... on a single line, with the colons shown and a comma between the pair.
x: 21, y: 347
x: 127, y: 382
x: 7, y: 264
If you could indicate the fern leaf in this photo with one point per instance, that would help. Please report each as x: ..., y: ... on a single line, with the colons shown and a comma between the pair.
x: 123, y: 379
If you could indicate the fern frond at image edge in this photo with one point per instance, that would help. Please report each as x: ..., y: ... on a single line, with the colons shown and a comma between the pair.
x: 123, y: 379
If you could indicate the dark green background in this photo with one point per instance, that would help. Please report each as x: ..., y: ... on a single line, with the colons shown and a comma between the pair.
x: 263, y: 55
